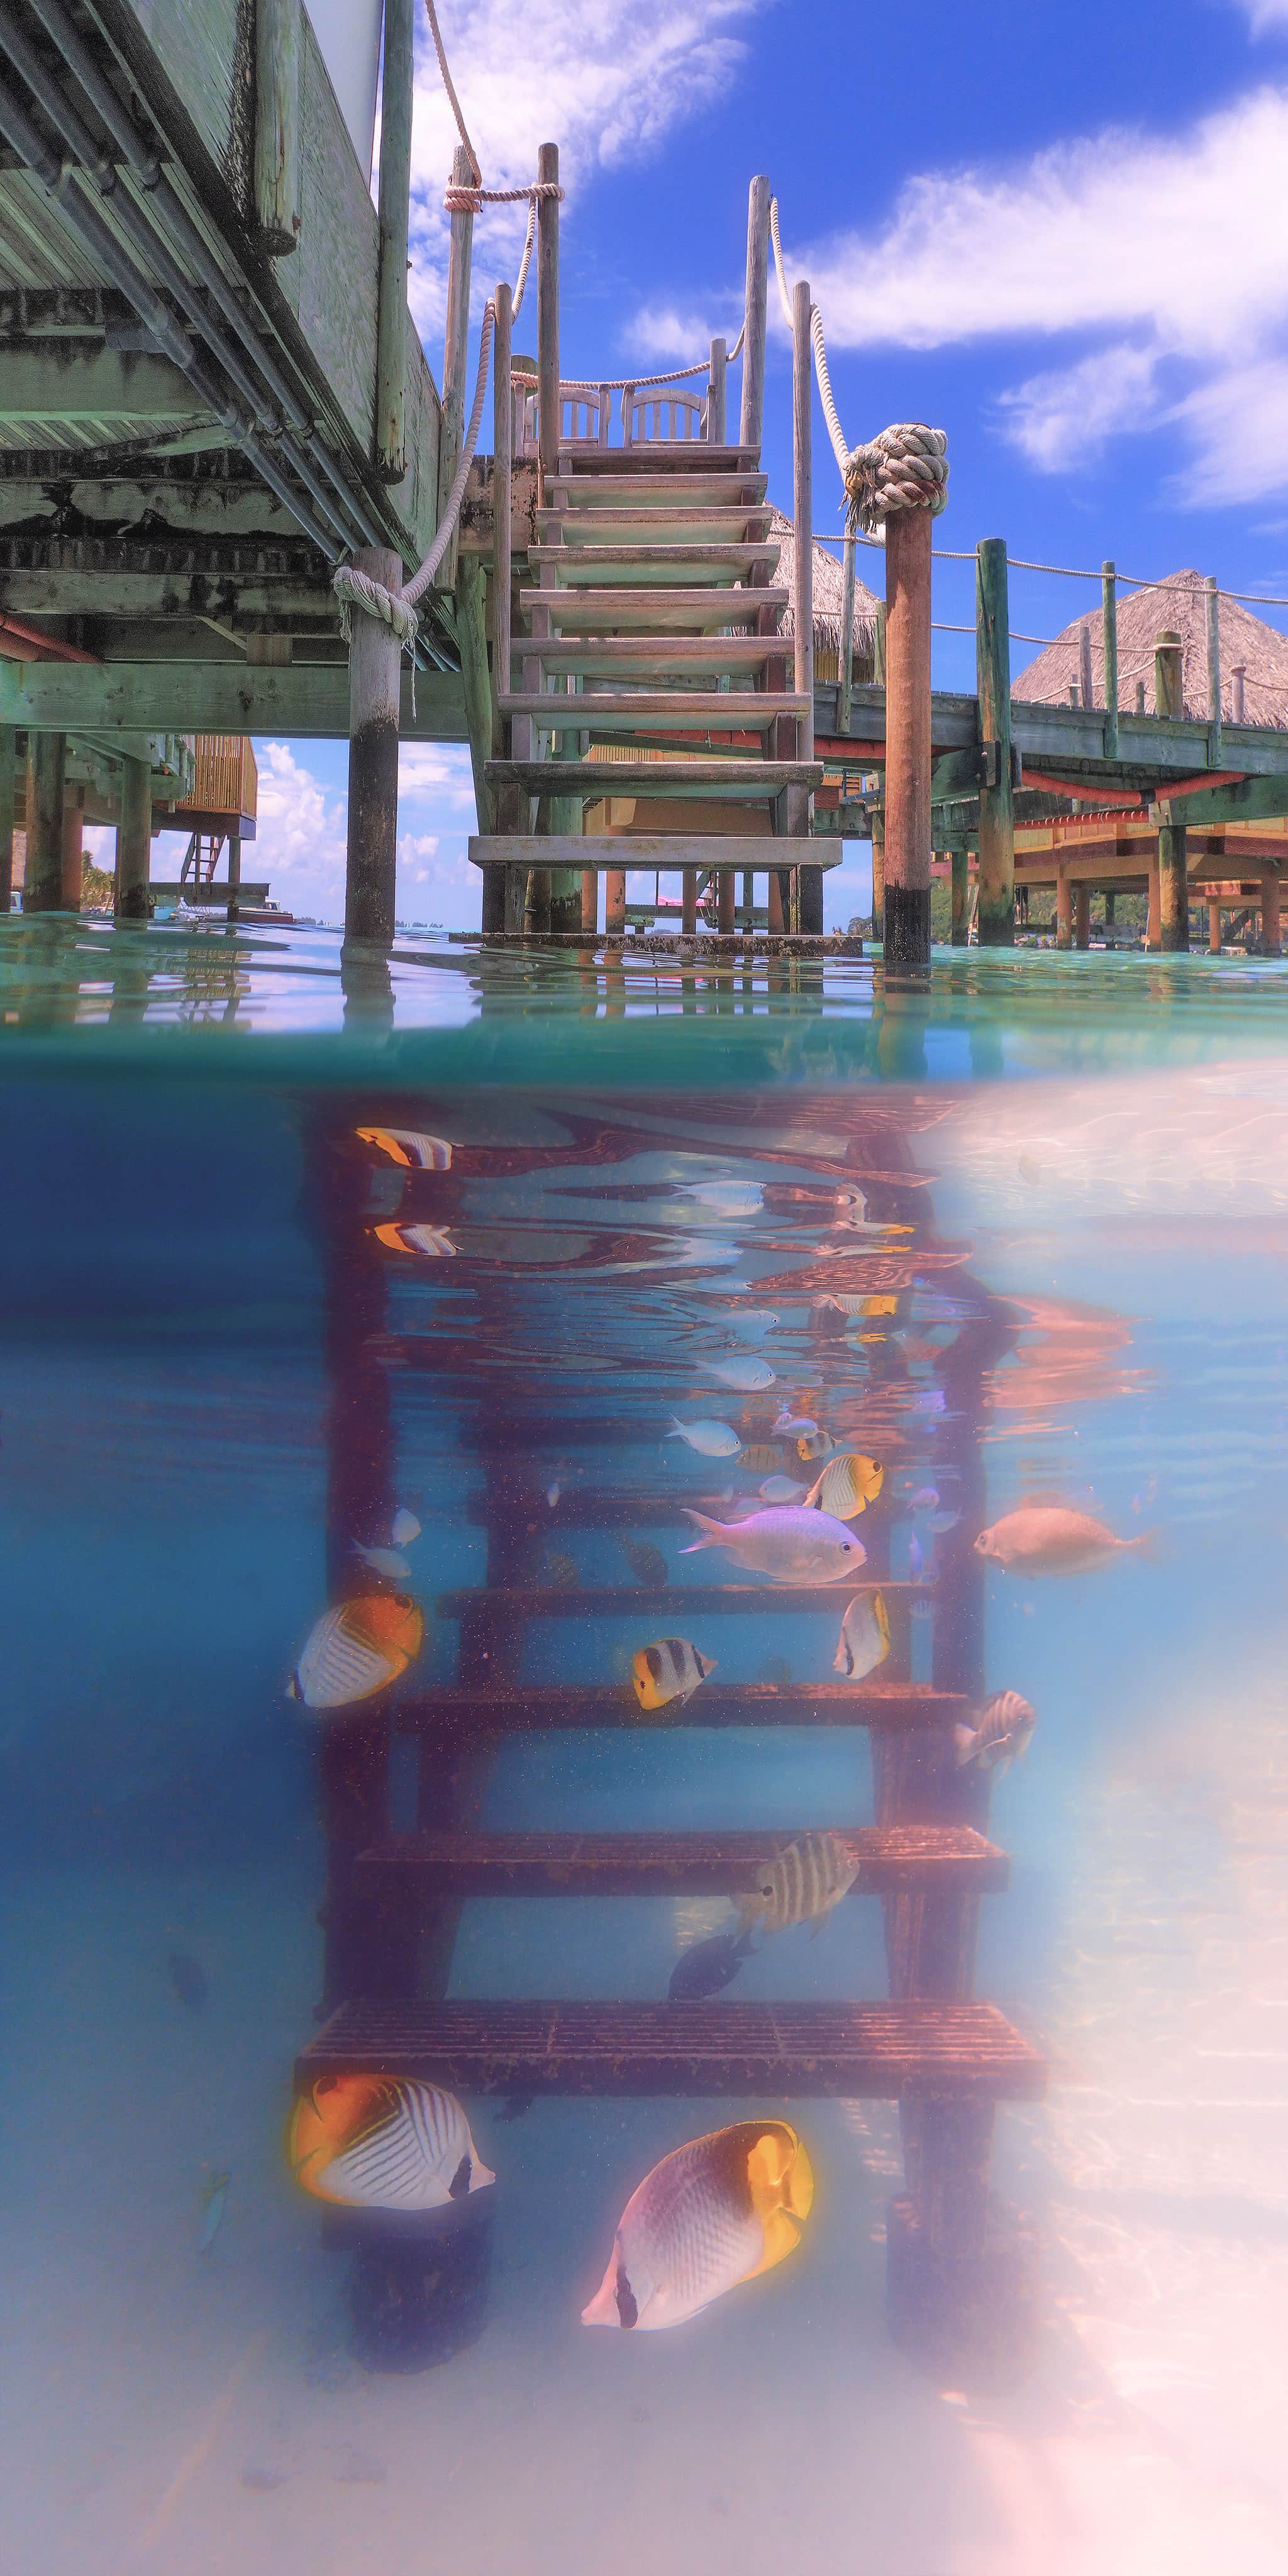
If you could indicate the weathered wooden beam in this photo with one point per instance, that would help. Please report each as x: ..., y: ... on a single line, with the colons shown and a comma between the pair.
x: 1212, y: 604
x: 549, y: 406
x: 755, y: 314
x: 1109, y: 640
x: 8, y: 798
x: 371, y: 867
x: 471, y: 642
x: 996, y: 796
x: 46, y: 780
x: 215, y: 697
x: 456, y: 330
x: 63, y: 380
x: 649, y: 850
x: 394, y: 209
x: 134, y: 841
x: 716, y: 394
x: 278, y: 47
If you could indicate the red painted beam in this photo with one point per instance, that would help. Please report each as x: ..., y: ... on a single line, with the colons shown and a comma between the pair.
x: 35, y: 646
x: 1087, y: 789
x: 1195, y: 786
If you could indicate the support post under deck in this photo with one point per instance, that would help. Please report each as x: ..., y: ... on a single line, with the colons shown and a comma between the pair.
x: 134, y: 841
x: 375, y: 659
x: 46, y: 785
x: 996, y: 795
x: 8, y: 790
x: 907, y: 797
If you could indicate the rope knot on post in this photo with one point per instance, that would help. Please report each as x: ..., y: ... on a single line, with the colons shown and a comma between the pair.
x: 355, y: 589
x: 904, y: 468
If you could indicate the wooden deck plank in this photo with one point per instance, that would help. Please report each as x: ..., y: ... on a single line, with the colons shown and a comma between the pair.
x: 654, y: 610
x: 750, y: 777
x: 612, y: 711
x: 664, y: 850
x: 805, y: 2051
x: 526, y: 1708
x: 696, y: 1600
x: 893, y: 1860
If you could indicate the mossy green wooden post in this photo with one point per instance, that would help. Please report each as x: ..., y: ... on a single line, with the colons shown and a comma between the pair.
x: 278, y: 46
x: 996, y: 796
x: 8, y: 791
x: 395, y: 192
x: 455, y: 351
x: 1109, y: 637
x: 42, y: 889
x: 471, y: 644
x: 961, y: 899
x: 375, y: 693
x: 1173, y: 870
x: 134, y: 841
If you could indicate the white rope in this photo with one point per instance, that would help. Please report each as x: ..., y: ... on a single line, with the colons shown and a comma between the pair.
x: 396, y: 609
x: 522, y: 278
x: 447, y: 84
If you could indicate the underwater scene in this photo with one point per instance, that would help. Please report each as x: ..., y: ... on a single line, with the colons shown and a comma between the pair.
x: 644, y: 1775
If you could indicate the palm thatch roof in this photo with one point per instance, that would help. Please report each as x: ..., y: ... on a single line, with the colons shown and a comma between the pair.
x: 1179, y: 604
x: 829, y: 594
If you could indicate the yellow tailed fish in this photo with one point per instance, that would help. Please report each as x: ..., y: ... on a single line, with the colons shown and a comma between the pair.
x: 801, y: 1884
x: 814, y: 1444
x: 407, y: 1146
x: 357, y: 1649
x: 865, y: 1637
x: 383, y: 2142
x: 433, y: 1242
x: 849, y: 1482
x: 669, y: 1669
x: 713, y: 2213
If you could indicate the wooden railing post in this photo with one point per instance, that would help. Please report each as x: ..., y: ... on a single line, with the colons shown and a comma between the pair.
x: 1173, y: 867
x: 42, y: 885
x: 548, y: 404
x: 845, y: 675
x: 134, y: 841
x: 797, y: 802
x: 996, y: 795
x: 456, y: 332
x: 1238, y: 675
x: 1086, y: 685
x: 375, y: 689
x: 8, y: 795
x: 1109, y: 637
x: 1213, y: 606
x: 755, y: 313
x: 716, y: 387
x: 278, y: 46
x: 395, y: 196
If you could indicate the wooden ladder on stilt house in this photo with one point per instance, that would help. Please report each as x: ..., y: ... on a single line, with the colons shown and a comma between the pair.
x: 956, y: 2273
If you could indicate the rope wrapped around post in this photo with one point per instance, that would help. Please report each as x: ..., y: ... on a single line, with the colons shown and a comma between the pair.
x: 904, y: 468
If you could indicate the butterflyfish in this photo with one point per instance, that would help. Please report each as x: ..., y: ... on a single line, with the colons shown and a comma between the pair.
x: 1001, y: 1734
x: 786, y: 1542
x: 710, y: 1439
x: 1046, y: 1538
x: 383, y: 2142
x: 669, y: 1669
x: 746, y: 1377
x: 432, y: 1242
x: 865, y: 1637
x: 814, y: 1444
x: 849, y: 1482
x: 357, y: 1649
x: 406, y: 1145
x: 801, y: 1884
x: 713, y: 2213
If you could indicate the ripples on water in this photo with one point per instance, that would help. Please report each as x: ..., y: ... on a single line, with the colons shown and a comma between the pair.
x: 1056, y: 1193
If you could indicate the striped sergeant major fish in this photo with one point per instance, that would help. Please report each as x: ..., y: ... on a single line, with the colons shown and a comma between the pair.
x: 669, y: 1669
x: 1003, y: 1731
x: 802, y: 1883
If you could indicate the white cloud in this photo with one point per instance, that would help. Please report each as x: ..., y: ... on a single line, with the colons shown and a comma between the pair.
x: 1264, y: 14
x: 659, y: 331
x: 299, y: 831
x: 1239, y: 428
x: 605, y: 79
x: 436, y: 769
x: 1064, y: 418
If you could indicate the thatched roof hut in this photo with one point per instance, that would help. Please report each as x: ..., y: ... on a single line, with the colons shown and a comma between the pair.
x: 829, y: 600
x: 1179, y: 604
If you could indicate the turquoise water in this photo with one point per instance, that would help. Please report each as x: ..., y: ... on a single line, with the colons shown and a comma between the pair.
x: 1023, y: 1241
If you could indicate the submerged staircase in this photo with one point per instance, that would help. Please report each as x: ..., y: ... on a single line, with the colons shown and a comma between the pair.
x: 958, y: 2272
x: 651, y: 602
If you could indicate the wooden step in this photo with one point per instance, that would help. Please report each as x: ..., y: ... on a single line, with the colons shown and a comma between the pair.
x: 647, y: 566
x: 654, y: 523
x: 659, y: 457
x: 581, y: 611
x: 942, y: 1860
x: 642, y: 658
x: 609, y: 713
x: 751, y: 779
x: 697, y: 1600
x: 647, y: 850
x: 739, y: 2051
x: 732, y: 490
x: 542, y: 1708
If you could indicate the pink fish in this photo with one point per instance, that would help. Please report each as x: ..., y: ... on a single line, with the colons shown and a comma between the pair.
x: 1048, y: 1538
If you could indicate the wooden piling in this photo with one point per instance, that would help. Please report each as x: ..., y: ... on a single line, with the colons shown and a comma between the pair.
x: 46, y: 776
x: 845, y: 698
x: 134, y: 841
x: 8, y: 797
x: 394, y: 205
x: 375, y: 659
x: 1238, y: 674
x: 456, y: 332
x: 1154, y: 907
x: 961, y: 899
x: 689, y: 900
x: 471, y: 643
x: 1140, y: 697
x: 716, y: 394
x: 615, y: 899
x: 1082, y: 916
x: 549, y: 409
x: 1109, y: 641
x: 1270, y: 940
x: 1173, y: 881
x: 1086, y: 685
x: 278, y: 49
x: 590, y: 901
x: 755, y: 314
x: 809, y: 893
x: 726, y: 899
x: 504, y: 805
x: 1169, y: 654
x: 997, y: 794
x: 1063, y: 909
x: 234, y: 875
x: 1214, y: 926
x: 907, y: 798
x: 73, y: 854
x: 878, y: 819
x: 1212, y: 604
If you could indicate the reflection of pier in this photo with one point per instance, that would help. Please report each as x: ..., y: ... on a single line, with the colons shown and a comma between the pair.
x: 959, y: 2271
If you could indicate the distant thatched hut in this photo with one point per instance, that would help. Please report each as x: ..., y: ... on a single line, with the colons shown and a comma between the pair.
x: 1248, y: 647
x: 829, y: 603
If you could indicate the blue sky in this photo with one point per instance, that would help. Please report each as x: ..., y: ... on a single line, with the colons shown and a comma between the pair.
x: 1058, y: 232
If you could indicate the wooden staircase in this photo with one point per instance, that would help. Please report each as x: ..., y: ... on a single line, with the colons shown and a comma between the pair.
x: 652, y: 604
x: 395, y: 1897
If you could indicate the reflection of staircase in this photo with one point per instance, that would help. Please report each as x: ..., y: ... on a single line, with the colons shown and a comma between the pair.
x: 652, y: 603
x: 395, y: 1898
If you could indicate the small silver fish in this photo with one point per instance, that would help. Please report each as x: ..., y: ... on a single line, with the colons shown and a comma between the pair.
x: 786, y: 1542
x: 403, y: 1529
x: 1001, y: 1734
x: 753, y: 1322
x: 926, y: 1499
x: 746, y: 1377
x: 214, y: 2200
x: 383, y: 1560
x: 801, y: 1884
x: 793, y: 1425
x: 710, y: 1439
x: 781, y: 1489
x: 940, y: 1522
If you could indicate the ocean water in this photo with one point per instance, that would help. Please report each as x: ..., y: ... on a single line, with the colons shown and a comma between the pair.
x: 1021, y: 1241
